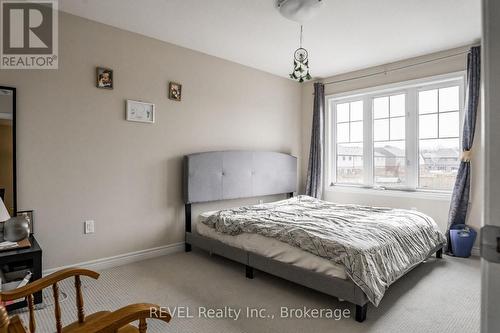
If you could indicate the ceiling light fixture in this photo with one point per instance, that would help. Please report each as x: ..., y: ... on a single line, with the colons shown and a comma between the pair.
x: 299, y: 10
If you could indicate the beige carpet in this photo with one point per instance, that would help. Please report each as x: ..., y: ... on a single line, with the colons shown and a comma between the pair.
x: 437, y: 296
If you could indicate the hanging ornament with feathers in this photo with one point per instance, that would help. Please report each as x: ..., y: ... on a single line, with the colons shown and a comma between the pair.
x: 300, y: 63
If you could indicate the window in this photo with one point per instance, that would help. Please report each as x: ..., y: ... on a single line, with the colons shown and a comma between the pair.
x: 439, y: 138
x: 349, y: 142
x: 404, y: 136
x: 389, y: 147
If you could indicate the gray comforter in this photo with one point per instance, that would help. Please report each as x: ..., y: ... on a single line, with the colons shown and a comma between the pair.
x: 375, y: 245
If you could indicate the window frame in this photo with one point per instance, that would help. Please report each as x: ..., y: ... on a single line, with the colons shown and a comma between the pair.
x: 334, y: 123
x: 411, y: 89
x: 388, y: 94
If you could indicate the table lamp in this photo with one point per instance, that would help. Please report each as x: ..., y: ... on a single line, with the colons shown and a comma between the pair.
x: 16, y: 228
x: 4, y: 214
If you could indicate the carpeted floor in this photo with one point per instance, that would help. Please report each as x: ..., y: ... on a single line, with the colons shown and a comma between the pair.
x: 437, y: 296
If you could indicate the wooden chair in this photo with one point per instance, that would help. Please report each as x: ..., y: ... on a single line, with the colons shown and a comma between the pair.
x: 99, y: 322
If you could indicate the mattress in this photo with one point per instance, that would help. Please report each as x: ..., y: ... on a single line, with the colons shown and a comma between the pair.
x: 375, y: 245
x: 274, y: 249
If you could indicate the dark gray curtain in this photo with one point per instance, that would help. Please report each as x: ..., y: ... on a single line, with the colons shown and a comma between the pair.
x: 314, y: 185
x: 460, y: 197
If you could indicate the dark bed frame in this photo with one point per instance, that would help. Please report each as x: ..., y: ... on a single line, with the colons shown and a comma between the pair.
x: 216, y: 176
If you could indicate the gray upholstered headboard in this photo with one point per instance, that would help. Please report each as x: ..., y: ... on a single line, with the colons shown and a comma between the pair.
x: 223, y: 175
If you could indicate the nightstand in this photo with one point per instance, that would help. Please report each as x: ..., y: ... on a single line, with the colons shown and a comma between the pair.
x: 31, y: 258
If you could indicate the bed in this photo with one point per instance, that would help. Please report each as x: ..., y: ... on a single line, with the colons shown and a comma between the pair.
x: 340, y: 250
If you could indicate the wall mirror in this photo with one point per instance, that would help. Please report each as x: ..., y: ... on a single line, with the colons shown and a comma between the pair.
x: 8, y: 191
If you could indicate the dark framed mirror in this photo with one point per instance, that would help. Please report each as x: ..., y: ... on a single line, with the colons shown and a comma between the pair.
x: 8, y: 184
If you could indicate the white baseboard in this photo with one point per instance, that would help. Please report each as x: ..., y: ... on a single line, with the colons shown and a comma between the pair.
x: 123, y: 259
x: 128, y: 258
x: 476, y: 252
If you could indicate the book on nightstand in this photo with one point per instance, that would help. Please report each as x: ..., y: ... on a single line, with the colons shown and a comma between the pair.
x: 6, y: 245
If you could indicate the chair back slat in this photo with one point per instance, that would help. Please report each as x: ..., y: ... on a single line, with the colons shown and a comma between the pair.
x: 31, y: 306
x: 57, y: 307
x: 79, y: 299
x: 142, y: 325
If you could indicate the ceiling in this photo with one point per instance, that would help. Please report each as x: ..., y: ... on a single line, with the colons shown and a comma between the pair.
x: 344, y: 36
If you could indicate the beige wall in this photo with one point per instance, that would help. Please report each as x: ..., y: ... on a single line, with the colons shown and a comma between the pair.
x: 438, y: 209
x: 79, y: 159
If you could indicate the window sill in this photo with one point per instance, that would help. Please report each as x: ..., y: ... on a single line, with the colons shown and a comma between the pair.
x: 418, y: 194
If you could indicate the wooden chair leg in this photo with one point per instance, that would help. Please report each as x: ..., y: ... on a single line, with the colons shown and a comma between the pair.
x: 57, y: 307
x: 142, y: 325
x: 79, y: 299
x: 31, y: 306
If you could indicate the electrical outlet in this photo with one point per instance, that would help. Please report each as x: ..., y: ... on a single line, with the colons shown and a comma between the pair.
x: 89, y: 227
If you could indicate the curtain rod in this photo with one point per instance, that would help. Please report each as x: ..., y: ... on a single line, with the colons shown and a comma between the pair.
x: 398, y: 68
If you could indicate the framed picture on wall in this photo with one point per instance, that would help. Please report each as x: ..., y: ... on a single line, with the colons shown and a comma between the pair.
x: 175, y: 91
x: 104, y: 78
x: 140, y: 111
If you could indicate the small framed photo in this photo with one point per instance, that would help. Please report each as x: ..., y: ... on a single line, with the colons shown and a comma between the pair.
x: 140, y: 111
x: 104, y: 78
x: 175, y: 91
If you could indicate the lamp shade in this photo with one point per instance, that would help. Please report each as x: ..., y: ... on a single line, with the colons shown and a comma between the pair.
x: 4, y: 214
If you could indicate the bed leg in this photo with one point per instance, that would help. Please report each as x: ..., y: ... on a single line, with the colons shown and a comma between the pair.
x: 249, y: 272
x: 439, y: 253
x: 187, y: 212
x: 361, y: 312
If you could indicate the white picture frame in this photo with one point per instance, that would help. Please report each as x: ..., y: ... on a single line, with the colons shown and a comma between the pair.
x: 141, y: 112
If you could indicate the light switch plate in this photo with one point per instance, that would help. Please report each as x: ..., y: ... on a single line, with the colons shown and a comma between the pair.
x: 89, y: 227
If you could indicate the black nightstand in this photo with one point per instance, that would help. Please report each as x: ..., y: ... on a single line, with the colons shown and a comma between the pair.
x: 31, y: 257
